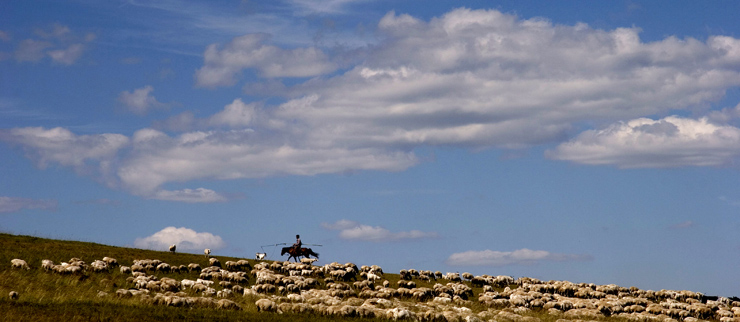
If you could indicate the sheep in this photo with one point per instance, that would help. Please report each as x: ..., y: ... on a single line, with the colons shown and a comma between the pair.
x: 13, y: 295
x: 227, y: 305
x: 19, y: 263
x: 47, y: 265
x: 172, y: 248
x: 214, y: 262
x: 308, y: 261
x: 112, y: 262
x: 265, y: 305
x: 194, y: 267
x: 99, y: 266
x: 260, y: 256
x: 207, y: 251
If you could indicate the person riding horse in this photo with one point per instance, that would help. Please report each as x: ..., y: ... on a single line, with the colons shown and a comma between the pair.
x: 297, y: 245
x: 296, y: 251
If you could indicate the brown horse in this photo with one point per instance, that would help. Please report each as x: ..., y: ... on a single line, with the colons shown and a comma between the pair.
x: 297, y: 253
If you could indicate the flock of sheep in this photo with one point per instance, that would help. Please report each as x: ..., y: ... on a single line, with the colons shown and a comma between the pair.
x: 347, y: 290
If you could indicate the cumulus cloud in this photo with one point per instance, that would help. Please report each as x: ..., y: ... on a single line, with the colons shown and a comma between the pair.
x: 645, y: 143
x: 482, y: 78
x: 186, y: 239
x: 351, y: 230
x: 237, y: 114
x: 15, y: 204
x: 469, y: 78
x: 522, y: 256
x: 140, y: 101
x: 223, y: 66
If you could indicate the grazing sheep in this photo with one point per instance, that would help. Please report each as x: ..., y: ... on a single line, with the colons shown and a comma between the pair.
x: 214, y: 262
x: 227, y: 305
x: 13, y: 295
x: 172, y: 248
x: 19, y: 263
x: 47, y: 265
x: 207, y: 251
x: 112, y: 262
x: 266, y: 305
x: 194, y: 267
x: 260, y: 256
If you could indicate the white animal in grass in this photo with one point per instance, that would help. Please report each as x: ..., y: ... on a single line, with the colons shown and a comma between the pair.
x: 173, y: 247
x: 207, y: 251
x: 19, y: 263
x: 260, y: 256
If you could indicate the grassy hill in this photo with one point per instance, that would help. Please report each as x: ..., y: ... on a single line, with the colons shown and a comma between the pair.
x: 92, y: 296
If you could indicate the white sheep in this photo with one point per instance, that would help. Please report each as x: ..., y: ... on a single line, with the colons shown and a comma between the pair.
x: 172, y: 248
x: 260, y: 256
x: 47, y: 265
x: 308, y: 261
x: 112, y: 262
x: 266, y: 305
x: 207, y: 251
x: 13, y: 295
x: 19, y: 263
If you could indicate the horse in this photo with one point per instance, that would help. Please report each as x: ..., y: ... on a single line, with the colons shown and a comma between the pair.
x: 297, y: 253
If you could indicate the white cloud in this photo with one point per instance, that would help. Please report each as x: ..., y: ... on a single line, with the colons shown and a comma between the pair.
x: 67, y: 56
x: 186, y: 240
x: 31, y: 50
x: 140, y: 101
x: 351, y: 230
x: 223, y: 66
x: 470, y: 78
x: 522, y: 256
x: 311, y: 7
x: 4, y: 36
x: 481, y: 78
x: 157, y: 158
x: 60, y: 44
x: 96, y: 153
x: 14, y: 204
x: 645, y: 143
x: 237, y: 114
x: 683, y: 225
x: 200, y: 195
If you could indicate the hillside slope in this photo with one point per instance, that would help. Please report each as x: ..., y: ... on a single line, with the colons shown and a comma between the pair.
x: 145, y: 285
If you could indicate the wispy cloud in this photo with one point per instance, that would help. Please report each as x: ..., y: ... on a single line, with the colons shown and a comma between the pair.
x: 59, y: 43
x: 352, y: 230
x: 185, y: 238
x: 729, y: 201
x: 15, y: 204
x: 683, y: 225
x: 522, y: 256
x: 200, y: 195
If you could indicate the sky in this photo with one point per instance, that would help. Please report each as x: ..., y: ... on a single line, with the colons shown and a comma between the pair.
x: 594, y: 142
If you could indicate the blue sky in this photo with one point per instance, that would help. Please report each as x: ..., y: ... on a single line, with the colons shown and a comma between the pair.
x: 582, y: 141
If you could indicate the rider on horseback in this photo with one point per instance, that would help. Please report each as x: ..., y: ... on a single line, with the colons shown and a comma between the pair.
x: 298, y: 243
